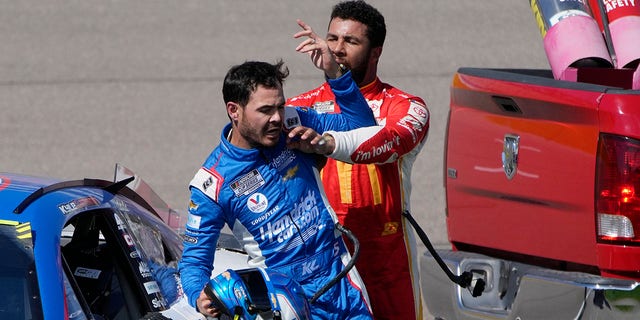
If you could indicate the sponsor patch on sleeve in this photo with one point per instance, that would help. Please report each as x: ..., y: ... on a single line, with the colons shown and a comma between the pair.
x: 325, y: 106
x: 193, y: 221
x: 207, y: 181
x: 419, y: 111
x: 291, y: 118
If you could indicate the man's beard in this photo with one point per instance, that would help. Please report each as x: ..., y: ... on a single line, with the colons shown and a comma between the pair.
x: 358, y: 76
x: 255, y: 137
x: 359, y: 72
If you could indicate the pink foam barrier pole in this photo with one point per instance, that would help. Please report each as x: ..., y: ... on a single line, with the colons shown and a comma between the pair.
x: 623, y: 21
x: 575, y: 41
x: 571, y: 36
x: 625, y: 35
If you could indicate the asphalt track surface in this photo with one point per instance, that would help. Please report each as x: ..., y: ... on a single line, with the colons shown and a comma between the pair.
x: 87, y: 84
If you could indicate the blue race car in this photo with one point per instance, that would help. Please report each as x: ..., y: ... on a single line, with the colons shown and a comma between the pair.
x: 86, y: 249
x: 96, y: 249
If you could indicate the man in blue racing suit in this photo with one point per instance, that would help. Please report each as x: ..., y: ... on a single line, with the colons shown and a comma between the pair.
x: 270, y: 195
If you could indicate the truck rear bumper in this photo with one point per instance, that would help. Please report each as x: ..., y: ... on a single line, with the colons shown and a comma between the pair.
x: 618, y: 259
x: 520, y: 291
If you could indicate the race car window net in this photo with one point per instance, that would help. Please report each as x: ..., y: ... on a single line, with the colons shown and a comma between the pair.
x: 19, y: 289
x: 617, y: 179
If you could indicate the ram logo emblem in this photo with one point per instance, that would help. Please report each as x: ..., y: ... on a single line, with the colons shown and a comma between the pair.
x: 510, y: 155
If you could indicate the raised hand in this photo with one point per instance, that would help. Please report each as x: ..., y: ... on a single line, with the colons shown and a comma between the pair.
x: 318, y: 49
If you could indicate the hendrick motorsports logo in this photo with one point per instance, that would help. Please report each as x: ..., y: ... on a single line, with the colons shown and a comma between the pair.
x: 510, y: 155
x: 303, y: 220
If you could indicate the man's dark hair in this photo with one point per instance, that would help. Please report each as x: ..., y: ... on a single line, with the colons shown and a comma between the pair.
x: 364, y: 13
x: 243, y: 79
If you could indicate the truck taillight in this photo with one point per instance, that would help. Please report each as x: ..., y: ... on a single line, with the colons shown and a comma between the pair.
x: 617, y: 179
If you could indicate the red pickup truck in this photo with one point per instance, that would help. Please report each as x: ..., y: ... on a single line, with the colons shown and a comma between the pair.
x: 542, y: 178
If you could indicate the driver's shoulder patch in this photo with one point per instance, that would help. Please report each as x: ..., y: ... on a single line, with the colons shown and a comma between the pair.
x: 291, y: 118
x: 208, y: 181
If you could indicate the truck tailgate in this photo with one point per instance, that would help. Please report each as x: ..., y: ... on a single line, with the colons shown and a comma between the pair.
x: 541, y: 204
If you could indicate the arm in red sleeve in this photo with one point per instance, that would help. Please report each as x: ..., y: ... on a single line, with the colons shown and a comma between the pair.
x: 404, y: 129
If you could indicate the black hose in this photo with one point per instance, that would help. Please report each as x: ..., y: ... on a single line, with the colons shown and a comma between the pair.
x: 347, y: 268
x: 464, y: 280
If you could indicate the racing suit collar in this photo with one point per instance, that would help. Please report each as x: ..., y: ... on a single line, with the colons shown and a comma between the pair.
x: 235, y: 152
x: 372, y: 87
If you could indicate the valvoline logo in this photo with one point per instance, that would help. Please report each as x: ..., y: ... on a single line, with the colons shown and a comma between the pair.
x: 257, y: 202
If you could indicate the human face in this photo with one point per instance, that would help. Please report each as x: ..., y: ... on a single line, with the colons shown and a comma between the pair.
x: 348, y: 41
x: 259, y: 123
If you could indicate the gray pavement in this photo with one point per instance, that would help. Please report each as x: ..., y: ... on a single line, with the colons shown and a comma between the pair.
x: 87, y: 84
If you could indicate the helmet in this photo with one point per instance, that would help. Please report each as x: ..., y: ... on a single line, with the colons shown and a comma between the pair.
x: 230, y: 294
x: 245, y: 294
x: 286, y: 296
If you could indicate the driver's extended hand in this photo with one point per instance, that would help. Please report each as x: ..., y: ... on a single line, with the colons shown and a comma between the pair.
x: 309, y: 141
x: 205, y: 306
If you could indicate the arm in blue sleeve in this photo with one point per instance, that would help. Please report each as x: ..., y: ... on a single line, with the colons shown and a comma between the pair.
x: 351, y: 101
x: 168, y: 280
x: 201, y: 236
x: 354, y: 109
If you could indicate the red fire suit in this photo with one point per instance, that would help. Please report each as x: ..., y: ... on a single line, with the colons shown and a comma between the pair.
x: 370, y: 195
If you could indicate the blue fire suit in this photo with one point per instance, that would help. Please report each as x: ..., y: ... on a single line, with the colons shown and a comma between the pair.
x: 273, y: 201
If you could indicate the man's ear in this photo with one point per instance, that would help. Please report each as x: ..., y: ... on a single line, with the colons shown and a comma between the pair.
x: 376, y: 53
x: 232, y: 110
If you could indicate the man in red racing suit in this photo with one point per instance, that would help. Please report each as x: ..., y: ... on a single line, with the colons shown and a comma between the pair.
x: 370, y: 195
x: 369, y: 198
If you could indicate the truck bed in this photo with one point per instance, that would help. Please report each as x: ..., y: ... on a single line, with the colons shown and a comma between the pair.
x: 544, y: 212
